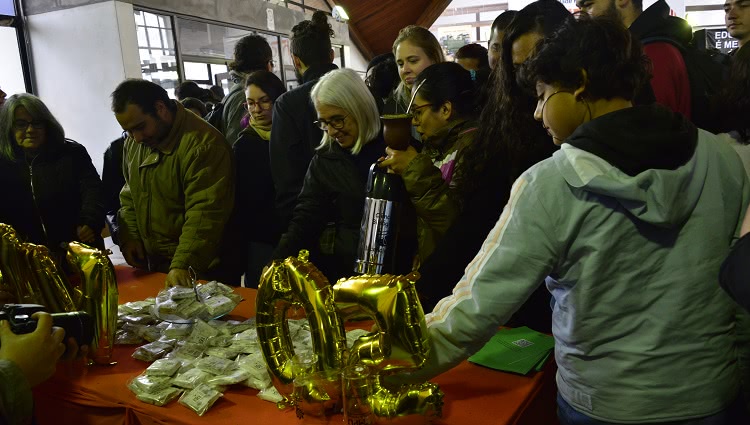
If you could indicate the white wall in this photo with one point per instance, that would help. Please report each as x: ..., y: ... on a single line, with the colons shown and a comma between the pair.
x: 11, y: 74
x: 80, y: 55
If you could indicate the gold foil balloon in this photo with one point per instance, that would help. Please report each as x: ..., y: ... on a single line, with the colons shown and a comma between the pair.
x: 398, y: 341
x: 100, y: 296
x: 30, y: 273
x: 296, y: 281
x: 392, y: 302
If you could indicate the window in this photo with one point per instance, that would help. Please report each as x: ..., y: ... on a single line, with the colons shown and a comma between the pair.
x: 156, y: 47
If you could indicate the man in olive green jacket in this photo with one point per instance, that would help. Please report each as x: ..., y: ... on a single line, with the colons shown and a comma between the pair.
x: 179, y: 190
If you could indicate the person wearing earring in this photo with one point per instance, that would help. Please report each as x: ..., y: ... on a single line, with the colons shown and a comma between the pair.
x: 632, y: 218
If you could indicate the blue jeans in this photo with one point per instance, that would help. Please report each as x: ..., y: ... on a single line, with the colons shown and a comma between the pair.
x: 732, y: 415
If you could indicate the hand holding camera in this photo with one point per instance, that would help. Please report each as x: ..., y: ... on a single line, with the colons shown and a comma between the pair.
x: 36, y: 353
x: 33, y: 340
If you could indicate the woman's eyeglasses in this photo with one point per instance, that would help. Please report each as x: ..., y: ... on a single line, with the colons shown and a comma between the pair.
x: 335, y: 122
x: 263, y: 105
x: 20, y: 125
x: 416, y: 111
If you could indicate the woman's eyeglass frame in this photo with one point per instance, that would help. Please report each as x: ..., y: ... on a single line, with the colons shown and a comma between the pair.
x: 336, y: 123
x: 263, y: 105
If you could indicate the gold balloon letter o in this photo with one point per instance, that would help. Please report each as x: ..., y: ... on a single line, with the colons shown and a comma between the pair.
x: 296, y: 281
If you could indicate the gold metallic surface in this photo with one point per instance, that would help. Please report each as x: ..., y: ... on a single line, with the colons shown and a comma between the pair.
x: 398, y: 341
x: 296, y: 281
x: 100, y: 296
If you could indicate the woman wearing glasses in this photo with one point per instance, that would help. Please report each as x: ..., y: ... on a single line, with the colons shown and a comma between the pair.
x: 255, y: 194
x: 443, y: 114
x: 52, y: 193
x: 329, y: 209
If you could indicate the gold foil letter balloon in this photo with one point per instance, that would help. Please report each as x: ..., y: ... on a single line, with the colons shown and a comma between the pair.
x: 99, y: 298
x: 397, y: 343
x: 399, y: 340
x: 296, y: 281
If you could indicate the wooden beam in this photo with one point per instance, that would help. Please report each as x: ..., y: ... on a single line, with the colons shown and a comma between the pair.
x: 360, y: 42
x: 432, y: 12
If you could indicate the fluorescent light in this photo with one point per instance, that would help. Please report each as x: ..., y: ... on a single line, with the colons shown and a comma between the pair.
x: 339, y: 13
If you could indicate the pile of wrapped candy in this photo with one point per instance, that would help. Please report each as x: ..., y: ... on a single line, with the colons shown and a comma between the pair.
x: 194, y: 359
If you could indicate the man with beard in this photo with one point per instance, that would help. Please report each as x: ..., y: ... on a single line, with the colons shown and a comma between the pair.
x: 294, y: 137
x: 653, y: 27
x: 179, y: 184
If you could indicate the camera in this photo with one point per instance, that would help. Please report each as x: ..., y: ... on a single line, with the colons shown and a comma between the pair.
x: 77, y: 324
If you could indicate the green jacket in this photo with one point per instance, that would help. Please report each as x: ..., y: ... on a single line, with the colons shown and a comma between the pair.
x: 178, y: 196
x: 428, y: 178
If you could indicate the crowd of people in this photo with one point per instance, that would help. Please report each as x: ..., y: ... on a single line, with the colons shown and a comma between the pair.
x: 569, y: 177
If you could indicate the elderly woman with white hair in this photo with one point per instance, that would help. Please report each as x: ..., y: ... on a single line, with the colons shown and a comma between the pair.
x: 329, y: 210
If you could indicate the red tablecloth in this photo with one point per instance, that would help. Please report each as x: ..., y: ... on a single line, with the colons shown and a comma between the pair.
x: 98, y: 395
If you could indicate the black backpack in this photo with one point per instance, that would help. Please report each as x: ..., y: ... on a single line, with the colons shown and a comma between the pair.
x: 707, y: 70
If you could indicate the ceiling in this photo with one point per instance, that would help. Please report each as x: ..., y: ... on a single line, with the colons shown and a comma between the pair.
x: 374, y: 24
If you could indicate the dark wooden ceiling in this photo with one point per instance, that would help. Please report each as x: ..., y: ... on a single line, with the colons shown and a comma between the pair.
x: 374, y: 24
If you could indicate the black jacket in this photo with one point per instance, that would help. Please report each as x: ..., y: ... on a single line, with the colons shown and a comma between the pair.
x: 333, y: 196
x: 655, y: 21
x: 294, y: 138
x: 57, y: 191
x: 255, y: 194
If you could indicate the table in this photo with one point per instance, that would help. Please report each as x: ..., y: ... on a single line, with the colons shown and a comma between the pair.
x: 98, y: 394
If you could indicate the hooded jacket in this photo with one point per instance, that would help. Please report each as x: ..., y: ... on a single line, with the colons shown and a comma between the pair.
x: 428, y: 178
x: 231, y: 115
x: 670, y: 82
x: 46, y: 198
x: 179, y: 195
x: 632, y: 240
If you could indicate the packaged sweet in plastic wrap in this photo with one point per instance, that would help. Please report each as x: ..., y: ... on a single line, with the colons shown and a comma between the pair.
x: 177, y: 330
x: 181, y: 304
x: 164, y: 367
x: 159, y: 398
x: 202, y: 332
x: 149, y: 384
x: 256, y: 365
x: 192, y: 378
x: 200, y: 398
x: 232, y: 378
x: 188, y: 351
x: 216, y: 365
x: 152, y: 351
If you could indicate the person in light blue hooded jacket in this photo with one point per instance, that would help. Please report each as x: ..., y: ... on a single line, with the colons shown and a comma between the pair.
x: 630, y: 220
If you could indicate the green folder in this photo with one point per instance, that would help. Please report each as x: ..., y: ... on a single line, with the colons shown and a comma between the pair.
x: 517, y: 350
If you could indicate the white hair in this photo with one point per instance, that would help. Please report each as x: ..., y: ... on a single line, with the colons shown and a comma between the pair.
x: 345, y: 89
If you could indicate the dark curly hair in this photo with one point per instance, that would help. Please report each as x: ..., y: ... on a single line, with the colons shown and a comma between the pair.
x: 734, y: 99
x: 611, y: 57
x: 311, y: 40
x: 509, y: 138
x: 251, y: 53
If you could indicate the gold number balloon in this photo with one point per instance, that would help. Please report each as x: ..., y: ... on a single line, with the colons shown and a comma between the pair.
x: 397, y: 343
x: 296, y: 281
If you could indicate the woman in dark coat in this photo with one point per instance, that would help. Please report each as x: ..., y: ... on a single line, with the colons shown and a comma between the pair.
x: 52, y: 193
x: 329, y: 210
x: 255, y: 193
